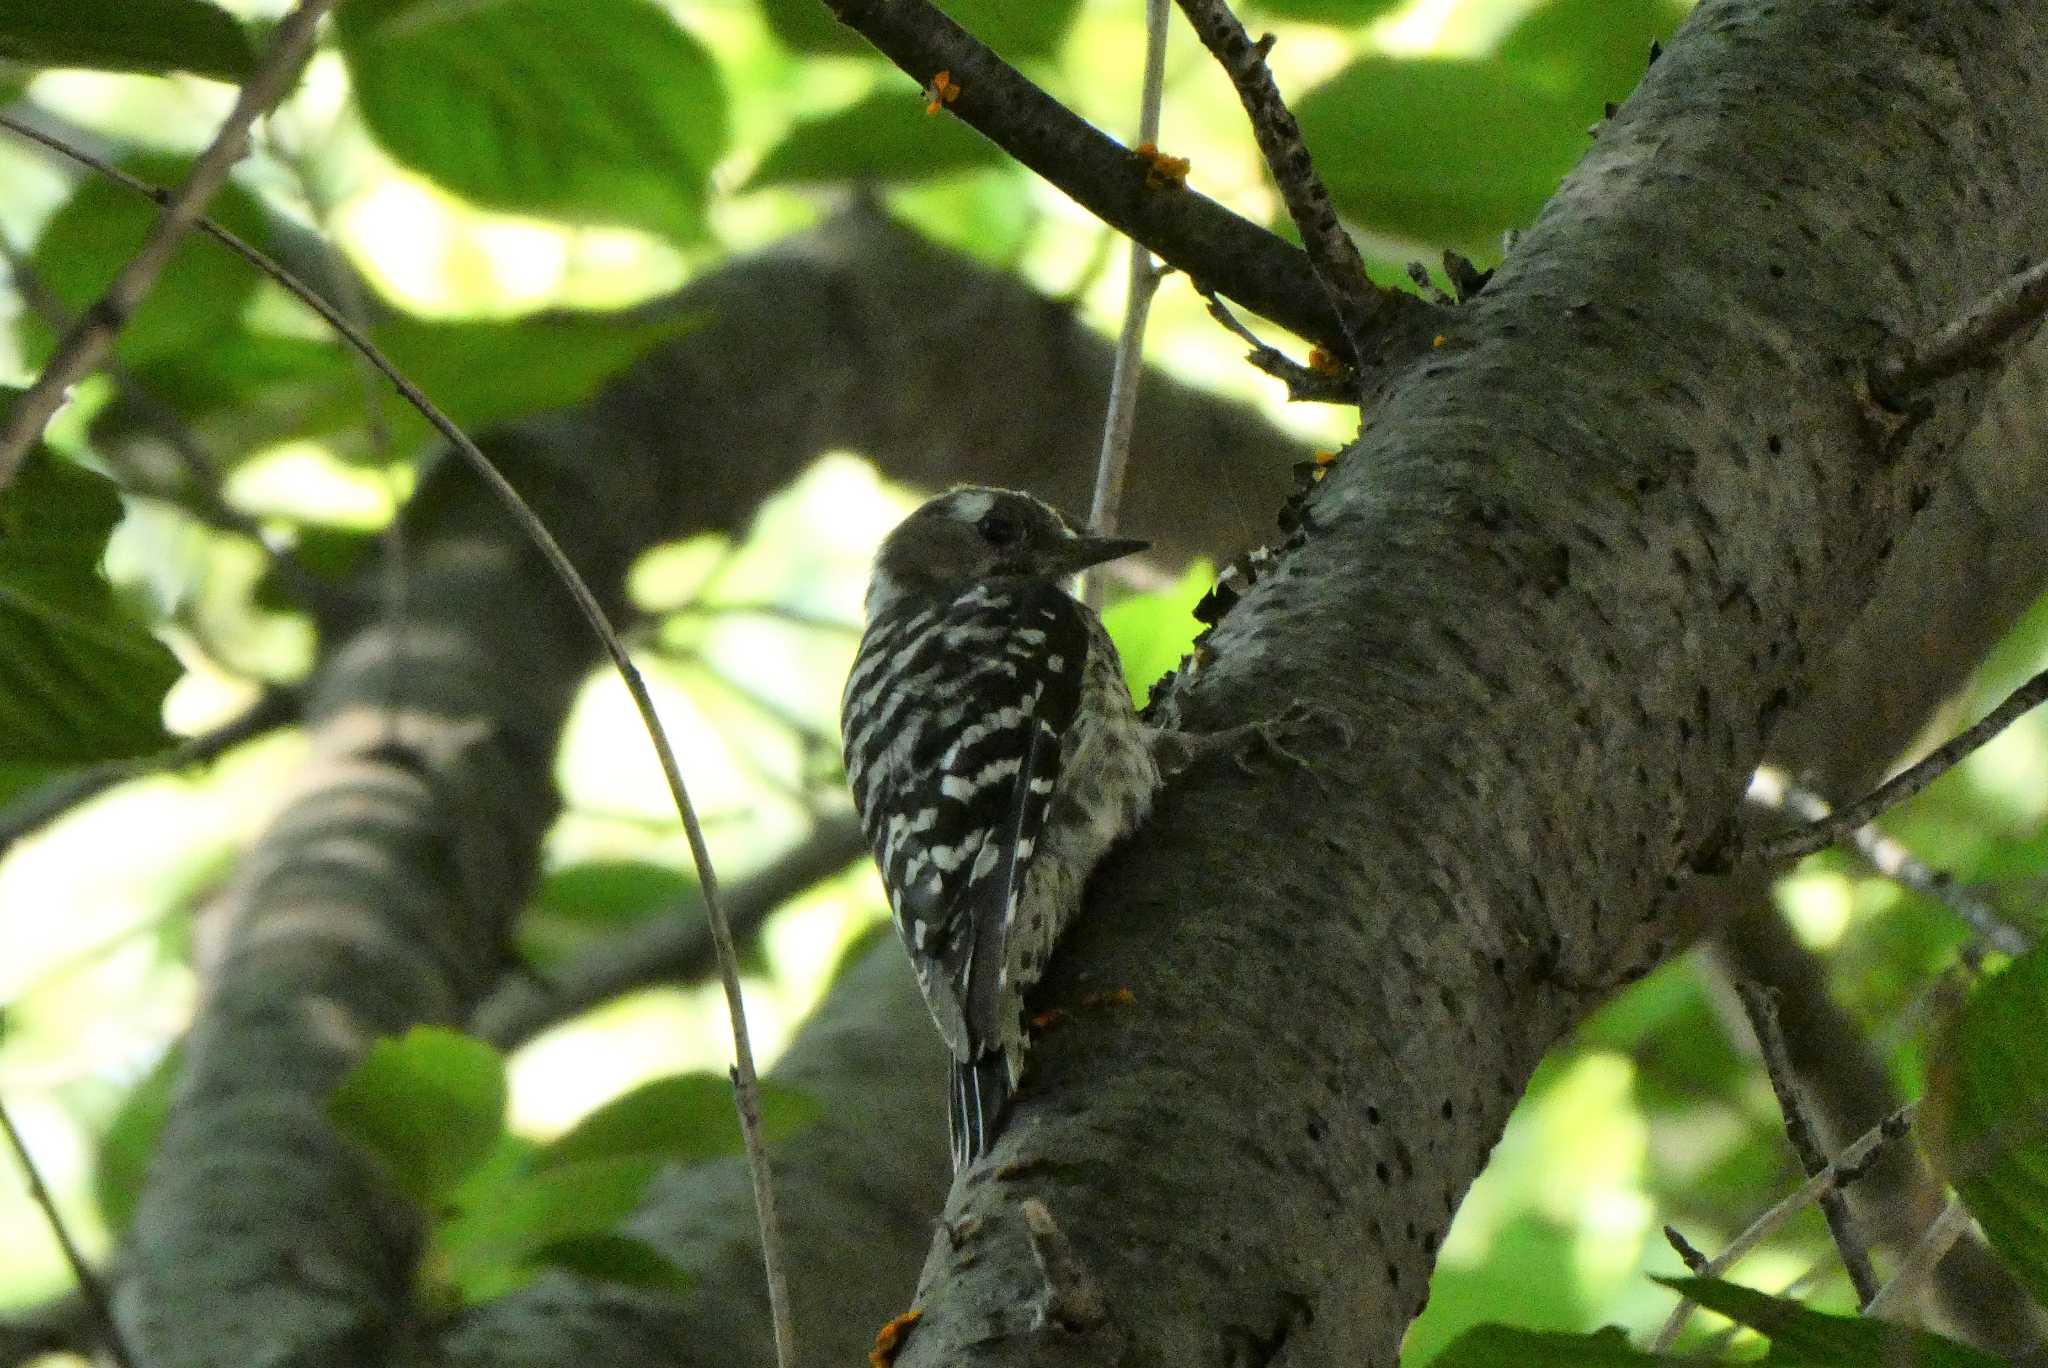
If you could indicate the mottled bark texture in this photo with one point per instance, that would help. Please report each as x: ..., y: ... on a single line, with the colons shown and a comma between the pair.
x: 1584, y: 556
x: 385, y: 891
x: 1576, y: 568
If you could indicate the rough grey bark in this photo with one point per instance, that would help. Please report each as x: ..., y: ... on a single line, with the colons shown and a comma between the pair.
x: 1341, y: 978
x: 384, y: 893
x: 1575, y: 570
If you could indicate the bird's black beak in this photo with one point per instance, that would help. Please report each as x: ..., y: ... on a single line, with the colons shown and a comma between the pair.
x: 1078, y: 553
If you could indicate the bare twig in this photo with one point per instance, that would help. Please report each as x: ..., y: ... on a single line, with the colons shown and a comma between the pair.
x: 675, y: 948
x: 1920, y: 1260
x: 87, y: 343
x: 88, y: 1282
x: 1804, y: 840
x: 1848, y: 1166
x: 1758, y: 1002
x: 1122, y: 417
x: 1974, y: 339
x: 1688, y: 1254
x: 1356, y: 301
x: 1072, y: 1300
x: 1304, y: 384
x: 40, y: 806
x: 746, y: 1079
x: 1771, y: 787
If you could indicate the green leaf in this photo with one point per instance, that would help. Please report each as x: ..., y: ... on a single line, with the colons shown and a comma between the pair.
x: 1591, y: 50
x: 1343, y: 13
x: 580, y: 904
x: 200, y: 295
x: 1505, y: 1346
x: 1804, y: 1338
x: 122, y: 1160
x: 1987, y: 1114
x: 1016, y: 31
x: 1153, y: 631
x: 485, y: 373
x: 80, y: 680
x: 614, y: 1258
x: 491, y: 1244
x: 685, y: 1118
x: 430, y: 1105
x: 885, y: 136
x: 1440, y: 150
x: 152, y: 36
x: 591, y: 111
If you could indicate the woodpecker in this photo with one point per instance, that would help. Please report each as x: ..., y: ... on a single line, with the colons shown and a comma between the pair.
x: 994, y: 756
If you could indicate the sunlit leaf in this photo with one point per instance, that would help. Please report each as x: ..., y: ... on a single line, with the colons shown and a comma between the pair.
x: 1987, y: 1112
x: 80, y: 680
x: 429, y: 1104
x: 1440, y: 150
x: 1804, y: 1338
x: 1014, y: 30
x: 199, y: 296
x: 684, y: 1118
x: 591, y: 111
x: 886, y: 136
x: 1153, y: 631
x: 122, y: 1159
x: 490, y: 1246
x: 581, y: 903
x: 153, y: 36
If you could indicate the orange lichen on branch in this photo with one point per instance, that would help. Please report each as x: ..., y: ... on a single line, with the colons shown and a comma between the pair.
x: 1323, y: 363
x: 889, y: 1339
x: 1047, y: 1020
x: 1111, y: 997
x: 1161, y: 171
x: 943, y: 90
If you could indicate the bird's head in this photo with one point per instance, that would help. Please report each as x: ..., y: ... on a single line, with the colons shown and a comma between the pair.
x: 974, y: 532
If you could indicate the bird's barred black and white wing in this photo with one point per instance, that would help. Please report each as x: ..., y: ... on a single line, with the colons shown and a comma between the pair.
x: 954, y: 715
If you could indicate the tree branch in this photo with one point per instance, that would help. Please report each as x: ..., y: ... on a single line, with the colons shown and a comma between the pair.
x: 88, y: 342
x: 1975, y: 339
x: 1356, y: 301
x: 672, y: 948
x: 1217, y: 249
x: 1799, y: 1129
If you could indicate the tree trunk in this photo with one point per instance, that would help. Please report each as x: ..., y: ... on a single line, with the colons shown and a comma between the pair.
x: 1583, y: 560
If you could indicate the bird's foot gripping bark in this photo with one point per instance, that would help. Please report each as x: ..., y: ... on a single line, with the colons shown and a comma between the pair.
x: 1281, y: 736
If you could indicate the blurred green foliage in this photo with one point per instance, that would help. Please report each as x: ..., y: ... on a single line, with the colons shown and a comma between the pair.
x: 506, y: 196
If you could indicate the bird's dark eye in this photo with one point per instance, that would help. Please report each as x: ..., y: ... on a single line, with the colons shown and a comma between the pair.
x: 998, y: 529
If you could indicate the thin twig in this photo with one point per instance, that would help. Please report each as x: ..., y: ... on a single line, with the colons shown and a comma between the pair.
x: 1355, y: 300
x: 746, y: 1079
x: 40, y: 806
x: 1920, y: 1260
x: 1974, y: 339
x: 87, y: 343
x: 1772, y: 787
x: 1761, y: 1005
x: 1143, y: 278
x: 1304, y: 384
x: 89, y: 1285
x: 1804, y: 840
x: 1847, y: 1167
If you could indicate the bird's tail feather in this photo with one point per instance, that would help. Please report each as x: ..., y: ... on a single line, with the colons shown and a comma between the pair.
x: 981, y: 1090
